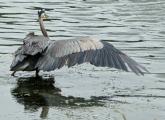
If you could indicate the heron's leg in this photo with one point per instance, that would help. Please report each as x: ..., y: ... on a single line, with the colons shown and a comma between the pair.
x: 44, y: 113
x: 13, y: 73
x: 37, y: 73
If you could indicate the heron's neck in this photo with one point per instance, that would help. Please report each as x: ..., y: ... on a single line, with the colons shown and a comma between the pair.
x: 42, y: 27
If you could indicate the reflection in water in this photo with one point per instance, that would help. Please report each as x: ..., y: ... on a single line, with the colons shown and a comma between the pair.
x: 126, y: 23
x: 36, y: 92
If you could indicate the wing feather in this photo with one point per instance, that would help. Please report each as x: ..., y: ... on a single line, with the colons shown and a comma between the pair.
x: 98, y: 53
x: 28, y: 52
x: 33, y: 44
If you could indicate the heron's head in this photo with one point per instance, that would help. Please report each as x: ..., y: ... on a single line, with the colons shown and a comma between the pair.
x: 42, y: 14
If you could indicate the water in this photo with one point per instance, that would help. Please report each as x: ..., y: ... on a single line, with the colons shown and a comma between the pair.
x: 85, y: 92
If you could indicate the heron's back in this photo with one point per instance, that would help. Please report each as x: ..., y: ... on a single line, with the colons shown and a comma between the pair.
x: 27, y: 55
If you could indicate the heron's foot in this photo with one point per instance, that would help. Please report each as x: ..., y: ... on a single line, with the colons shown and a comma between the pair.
x: 13, y: 74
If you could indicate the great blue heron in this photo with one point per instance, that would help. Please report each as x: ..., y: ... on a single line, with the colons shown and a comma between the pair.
x: 40, y: 53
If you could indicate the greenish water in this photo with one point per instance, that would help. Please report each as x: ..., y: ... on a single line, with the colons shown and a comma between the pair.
x: 85, y: 92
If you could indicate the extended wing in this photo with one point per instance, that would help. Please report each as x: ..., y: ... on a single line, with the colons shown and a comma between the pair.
x: 98, y: 53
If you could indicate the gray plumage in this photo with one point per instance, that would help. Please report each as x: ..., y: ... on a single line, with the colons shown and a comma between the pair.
x: 33, y: 44
x: 40, y: 53
x: 98, y: 53
x: 28, y: 54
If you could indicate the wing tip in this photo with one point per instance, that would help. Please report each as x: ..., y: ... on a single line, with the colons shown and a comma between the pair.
x: 134, y: 66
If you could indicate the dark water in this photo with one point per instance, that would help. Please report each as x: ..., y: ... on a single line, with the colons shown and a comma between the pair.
x: 85, y: 92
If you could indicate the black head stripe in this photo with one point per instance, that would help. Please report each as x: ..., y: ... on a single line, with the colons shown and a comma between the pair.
x: 40, y: 12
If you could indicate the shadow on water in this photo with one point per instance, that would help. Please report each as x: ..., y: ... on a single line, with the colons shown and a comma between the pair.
x: 38, y: 92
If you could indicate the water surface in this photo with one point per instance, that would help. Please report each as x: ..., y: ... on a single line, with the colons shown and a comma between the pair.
x: 85, y: 92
